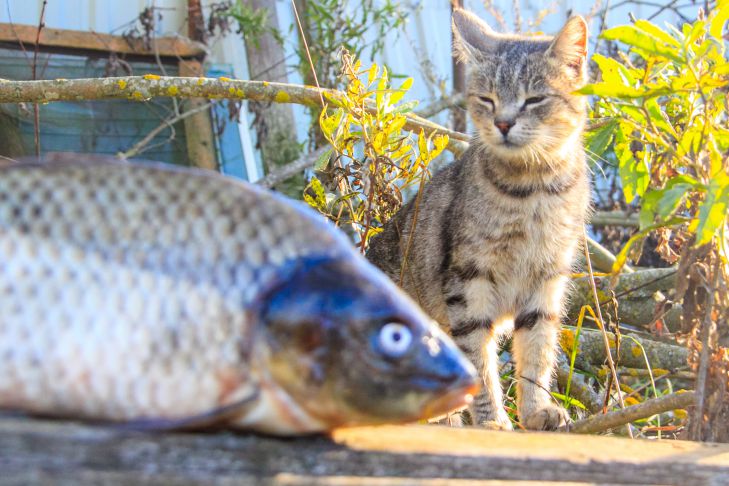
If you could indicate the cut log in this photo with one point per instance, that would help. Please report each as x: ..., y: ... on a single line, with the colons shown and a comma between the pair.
x: 591, y: 351
x: 34, y: 452
x: 635, y: 295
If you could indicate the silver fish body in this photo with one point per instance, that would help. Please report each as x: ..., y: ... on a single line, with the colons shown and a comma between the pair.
x: 177, y: 298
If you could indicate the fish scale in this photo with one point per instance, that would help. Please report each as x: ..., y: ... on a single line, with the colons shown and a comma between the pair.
x: 133, y: 246
x: 134, y: 293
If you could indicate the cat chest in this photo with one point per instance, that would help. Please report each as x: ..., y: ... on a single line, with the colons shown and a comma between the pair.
x: 519, y: 240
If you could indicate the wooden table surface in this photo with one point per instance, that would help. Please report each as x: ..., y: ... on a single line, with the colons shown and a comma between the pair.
x: 41, y: 451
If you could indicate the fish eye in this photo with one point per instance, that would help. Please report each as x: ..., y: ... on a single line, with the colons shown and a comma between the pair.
x: 395, y: 339
x: 534, y: 100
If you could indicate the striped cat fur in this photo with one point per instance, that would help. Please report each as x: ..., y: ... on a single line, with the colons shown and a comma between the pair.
x: 497, y: 231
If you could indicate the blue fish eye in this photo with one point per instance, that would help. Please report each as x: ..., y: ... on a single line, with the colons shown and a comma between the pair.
x: 395, y: 339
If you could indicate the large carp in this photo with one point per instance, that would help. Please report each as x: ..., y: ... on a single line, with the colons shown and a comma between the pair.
x: 175, y: 298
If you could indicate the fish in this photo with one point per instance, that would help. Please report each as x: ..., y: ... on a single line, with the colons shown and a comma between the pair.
x: 157, y: 297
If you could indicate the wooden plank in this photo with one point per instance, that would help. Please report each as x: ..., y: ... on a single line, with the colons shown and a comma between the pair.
x: 36, y: 451
x: 75, y: 39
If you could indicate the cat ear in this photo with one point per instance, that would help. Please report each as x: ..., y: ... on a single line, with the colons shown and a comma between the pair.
x: 471, y: 35
x: 569, y: 47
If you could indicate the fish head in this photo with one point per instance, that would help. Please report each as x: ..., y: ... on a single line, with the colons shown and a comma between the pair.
x: 351, y: 348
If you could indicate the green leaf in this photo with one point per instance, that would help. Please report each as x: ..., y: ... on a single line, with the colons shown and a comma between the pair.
x: 323, y: 160
x: 648, y: 208
x: 659, y: 118
x: 713, y: 209
x: 633, y: 36
x: 633, y: 173
x: 569, y: 400
x: 632, y: 112
x: 652, y: 29
x: 406, y: 107
x: 600, y: 139
x: 664, y: 202
x: 671, y: 199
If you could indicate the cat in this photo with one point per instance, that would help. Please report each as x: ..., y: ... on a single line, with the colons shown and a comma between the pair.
x: 496, y: 232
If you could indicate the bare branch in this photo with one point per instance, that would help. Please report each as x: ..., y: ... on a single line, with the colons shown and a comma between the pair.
x: 614, y: 218
x: 291, y: 169
x: 141, y: 146
x: 141, y: 88
x: 456, y: 100
x: 601, y: 423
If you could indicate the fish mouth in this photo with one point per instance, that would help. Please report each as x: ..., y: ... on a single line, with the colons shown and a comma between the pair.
x: 452, y: 400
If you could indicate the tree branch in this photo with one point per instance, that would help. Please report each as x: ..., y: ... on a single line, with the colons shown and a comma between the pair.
x: 141, y: 88
x: 292, y: 168
x: 614, y: 218
x: 452, y: 101
x: 141, y: 146
x: 601, y: 257
x: 601, y: 423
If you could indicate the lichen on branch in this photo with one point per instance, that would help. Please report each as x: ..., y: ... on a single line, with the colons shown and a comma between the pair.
x: 143, y: 88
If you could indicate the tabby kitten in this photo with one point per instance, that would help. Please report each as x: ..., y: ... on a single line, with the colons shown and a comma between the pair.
x: 497, y: 231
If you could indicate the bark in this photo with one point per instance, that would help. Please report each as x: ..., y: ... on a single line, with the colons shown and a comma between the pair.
x: 611, y: 420
x: 591, y: 351
x: 601, y: 258
x: 638, y: 295
x: 614, y: 218
x: 274, y: 122
x: 33, y: 451
x: 579, y: 389
x: 142, y: 88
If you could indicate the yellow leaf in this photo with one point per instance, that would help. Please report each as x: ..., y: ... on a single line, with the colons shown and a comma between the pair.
x: 422, y: 143
x: 372, y: 74
x: 440, y: 142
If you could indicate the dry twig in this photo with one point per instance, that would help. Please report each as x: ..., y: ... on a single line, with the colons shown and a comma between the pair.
x: 611, y: 420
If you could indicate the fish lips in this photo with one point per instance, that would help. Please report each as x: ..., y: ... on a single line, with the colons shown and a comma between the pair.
x: 445, y: 372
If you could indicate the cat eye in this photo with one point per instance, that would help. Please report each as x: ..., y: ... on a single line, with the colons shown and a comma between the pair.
x: 487, y: 100
x: 534, y: 100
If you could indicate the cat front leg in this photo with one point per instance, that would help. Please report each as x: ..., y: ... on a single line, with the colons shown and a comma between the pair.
x: 474, y: 335
x: 534, y: 345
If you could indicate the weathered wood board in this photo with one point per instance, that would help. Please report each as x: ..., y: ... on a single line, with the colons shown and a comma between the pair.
x: 26, y: 35
x: 37, y: 451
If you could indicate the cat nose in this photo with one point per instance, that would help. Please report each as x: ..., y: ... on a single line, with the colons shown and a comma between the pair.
x: 504, y: 126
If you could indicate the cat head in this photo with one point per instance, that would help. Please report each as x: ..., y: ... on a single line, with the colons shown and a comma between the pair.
x: 520, y: 88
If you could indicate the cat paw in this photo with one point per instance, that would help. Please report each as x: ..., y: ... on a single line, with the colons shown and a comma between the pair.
x: 497, y: 425
x: 550, y: 417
